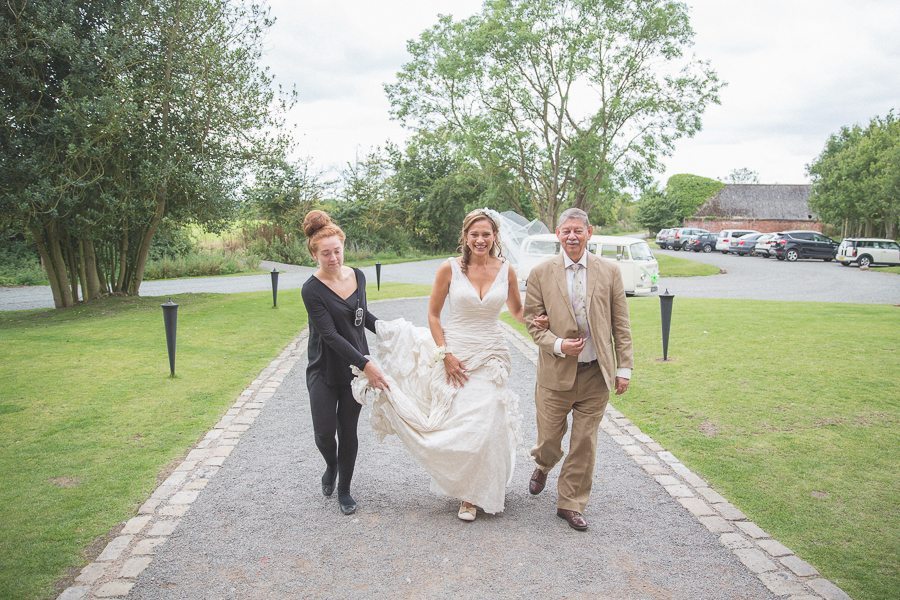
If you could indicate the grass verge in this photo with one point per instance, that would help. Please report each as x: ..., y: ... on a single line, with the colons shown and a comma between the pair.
x: 89, y: 416
x: 795, y: 423
x: 388, y: 258
x: 673, y: 266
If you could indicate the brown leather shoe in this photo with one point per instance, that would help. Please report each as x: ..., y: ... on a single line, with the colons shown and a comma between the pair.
x: 538, y: 480
x: 573, y: 517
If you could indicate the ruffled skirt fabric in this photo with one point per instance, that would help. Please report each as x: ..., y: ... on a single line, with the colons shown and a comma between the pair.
x: 465, y: 438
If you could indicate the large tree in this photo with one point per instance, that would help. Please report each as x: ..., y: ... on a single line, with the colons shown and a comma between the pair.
x: 856, y: 179
x: 572, y: 98
x: 117, y: 114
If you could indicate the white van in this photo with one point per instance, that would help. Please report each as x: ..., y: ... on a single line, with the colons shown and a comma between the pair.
x: 723, y: 241
x: 639, y: 269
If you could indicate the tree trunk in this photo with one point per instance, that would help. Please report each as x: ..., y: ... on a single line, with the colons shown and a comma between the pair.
x: 101, y: 264
x: 143, y: 251
x: 47, y: 264
x: 123, y: 263
x: 91, y: 275
x: 72, y: 265
x: 57, y: 266
x: 78, y: 254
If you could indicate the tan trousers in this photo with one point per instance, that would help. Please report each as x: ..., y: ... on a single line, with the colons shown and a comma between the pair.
x: 587, y: 402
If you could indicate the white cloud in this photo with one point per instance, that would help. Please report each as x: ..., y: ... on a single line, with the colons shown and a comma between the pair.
x: 797, y: 70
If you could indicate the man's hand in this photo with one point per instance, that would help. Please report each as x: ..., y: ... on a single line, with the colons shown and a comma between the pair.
x: 621, y: 385
x: 572, y: 346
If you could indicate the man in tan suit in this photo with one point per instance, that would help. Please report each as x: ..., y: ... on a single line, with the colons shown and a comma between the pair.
x: 584, y: 354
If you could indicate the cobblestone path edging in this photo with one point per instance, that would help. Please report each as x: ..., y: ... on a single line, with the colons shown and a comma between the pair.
x: 113, y: 572
x: 780, y: 570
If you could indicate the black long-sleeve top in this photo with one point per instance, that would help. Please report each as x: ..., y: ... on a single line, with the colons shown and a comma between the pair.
x: 335, y: 342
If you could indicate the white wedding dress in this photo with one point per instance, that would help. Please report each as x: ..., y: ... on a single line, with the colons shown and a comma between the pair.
x: 466, y: 437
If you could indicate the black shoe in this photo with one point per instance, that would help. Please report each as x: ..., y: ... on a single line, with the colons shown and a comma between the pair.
x: 328, y: 479
x: 348, y: 504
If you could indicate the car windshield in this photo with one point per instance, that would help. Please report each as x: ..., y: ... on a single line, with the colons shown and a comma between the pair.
x: 544, y: 248
x: 641, y: 251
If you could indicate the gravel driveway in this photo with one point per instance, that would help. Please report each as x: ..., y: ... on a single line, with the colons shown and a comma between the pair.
x: 755, y: 278
x: 262, y: 529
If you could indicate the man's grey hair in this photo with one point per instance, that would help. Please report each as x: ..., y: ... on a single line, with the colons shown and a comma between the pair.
x: 574, y: 213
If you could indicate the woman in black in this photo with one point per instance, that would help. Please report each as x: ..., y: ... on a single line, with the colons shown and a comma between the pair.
x: 335, y: 299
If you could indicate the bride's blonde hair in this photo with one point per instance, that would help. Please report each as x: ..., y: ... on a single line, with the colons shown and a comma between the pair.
x: 470, y: 219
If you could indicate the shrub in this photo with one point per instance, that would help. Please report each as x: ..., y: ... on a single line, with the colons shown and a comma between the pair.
x: 198, y: 264
x: 170, y: 241
x: 20, y: 265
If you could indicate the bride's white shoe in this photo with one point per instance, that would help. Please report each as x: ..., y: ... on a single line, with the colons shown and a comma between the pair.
x: 467, y: 513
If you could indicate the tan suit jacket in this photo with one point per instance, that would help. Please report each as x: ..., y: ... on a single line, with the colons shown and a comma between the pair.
x: 547, y: 292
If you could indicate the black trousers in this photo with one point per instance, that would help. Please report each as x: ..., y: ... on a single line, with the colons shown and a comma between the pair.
x: 335, y: 414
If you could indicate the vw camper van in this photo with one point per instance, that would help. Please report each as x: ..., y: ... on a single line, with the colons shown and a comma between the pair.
x: 639, y: 269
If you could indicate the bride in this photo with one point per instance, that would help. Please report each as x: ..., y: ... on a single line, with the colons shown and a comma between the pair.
x: 448, y: 400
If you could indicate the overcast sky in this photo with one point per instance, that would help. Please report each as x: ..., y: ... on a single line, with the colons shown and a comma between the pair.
x: 797, y: 70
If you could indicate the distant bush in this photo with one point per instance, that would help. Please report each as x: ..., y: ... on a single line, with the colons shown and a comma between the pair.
x: 171, y: 241
x: 20, y: 265
x: 291, y: 250
x: 198, y: 264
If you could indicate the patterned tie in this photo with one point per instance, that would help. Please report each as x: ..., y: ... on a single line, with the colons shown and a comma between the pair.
x: 578, y: 303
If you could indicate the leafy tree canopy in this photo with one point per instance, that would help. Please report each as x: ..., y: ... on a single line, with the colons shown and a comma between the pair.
x: 117, y: 114
x: 566, y: 101
x: 742, y: 175
x: 856, y: 179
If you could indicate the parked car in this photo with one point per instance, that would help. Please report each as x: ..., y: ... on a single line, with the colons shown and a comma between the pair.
x: 868, y: 251
x: 705, y: 242
x: 791, y: 245
x: 764, y: 245
x: 638, y: 266
x: 723, y: 241
x: 661, y: 237
x: 677, y: 236
x: 744, y: 245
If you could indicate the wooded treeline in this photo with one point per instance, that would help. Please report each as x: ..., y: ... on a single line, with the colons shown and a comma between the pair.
x: 122, y: 116
x: 856, y: 179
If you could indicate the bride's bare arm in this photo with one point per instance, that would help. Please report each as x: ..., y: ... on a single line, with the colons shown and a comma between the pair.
x: 513, y: 298
x: 436, y: 301
x: 456, y: 371
x: 514, y: 303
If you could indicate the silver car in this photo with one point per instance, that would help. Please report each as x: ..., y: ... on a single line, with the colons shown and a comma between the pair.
x: 764, y: 245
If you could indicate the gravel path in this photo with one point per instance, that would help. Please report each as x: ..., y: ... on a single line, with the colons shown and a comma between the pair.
x: 262, y: 529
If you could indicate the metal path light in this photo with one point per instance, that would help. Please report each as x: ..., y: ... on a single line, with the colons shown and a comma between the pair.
x: 665, y: 309
x: 170, y: 319
x: 378, y: 274
x: 274, y: 275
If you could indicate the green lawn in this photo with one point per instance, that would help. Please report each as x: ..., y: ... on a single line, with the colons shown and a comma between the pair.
x: 390, y: 258
x: 791, y: 411
x: 673, y: 266
x: 886, y: 269
x: 89, y: 416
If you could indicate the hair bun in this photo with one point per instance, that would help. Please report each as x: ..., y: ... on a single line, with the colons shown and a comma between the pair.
x: 314, y: 221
